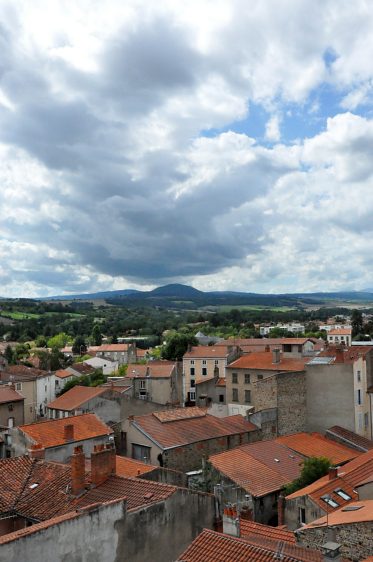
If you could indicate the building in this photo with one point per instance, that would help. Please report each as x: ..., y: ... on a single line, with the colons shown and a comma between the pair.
x: 59, y: 437
x: 253, y: 475
x: 157, y: 381
x: 295, y: 348
x: 122, y: 353
x: 80, y: 370
x: 339, y: 384
x: 181, y: 438
x: 316, y: 445
x: 105, y: 365
x: 211, y: 394
x: 62, y: 377
x: 338, y: 489
x: 37, y: 386
x: 11, y: 415
x: 339, y: 336
x: 95, y: 517
x: 263, y: 381
x: 103, y: 401
x: 205, y: 362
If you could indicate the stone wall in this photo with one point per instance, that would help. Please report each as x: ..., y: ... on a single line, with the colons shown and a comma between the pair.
x: 291, y: 403
x: 292, y: 512
x: 356, y: 539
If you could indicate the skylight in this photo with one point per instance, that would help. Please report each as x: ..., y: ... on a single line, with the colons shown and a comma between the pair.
x: 330, y: 501
x: 343, y: 494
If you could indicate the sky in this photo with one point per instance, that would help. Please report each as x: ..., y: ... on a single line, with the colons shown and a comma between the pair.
x: 223, y: 144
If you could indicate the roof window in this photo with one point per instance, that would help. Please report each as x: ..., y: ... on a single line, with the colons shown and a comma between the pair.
x: 343, y: 494
x: 330, y: 501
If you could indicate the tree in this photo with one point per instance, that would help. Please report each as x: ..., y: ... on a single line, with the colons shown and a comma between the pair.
x: 79, y: 345
x: 41, y: 341
x: 356, y: 322
x: 313, y: 468
x: 59, y: 340
x: 177, y: 345
x: 96, y: 336
x: 9, y: 354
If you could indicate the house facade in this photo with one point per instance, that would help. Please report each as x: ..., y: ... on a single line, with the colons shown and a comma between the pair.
x: 122, y: 353
x: 157, y: 381
x: 11, y: 415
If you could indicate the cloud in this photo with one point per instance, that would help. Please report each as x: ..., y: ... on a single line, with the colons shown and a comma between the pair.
x: 123, y: 162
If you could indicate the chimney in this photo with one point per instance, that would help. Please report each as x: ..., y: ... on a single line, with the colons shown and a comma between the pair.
x: 339, y: 354
x: 231, y: 522
x: 36, y: 451
x: 103, y: 463
x: 281, y: 510
x: 331, y: 551
x: 267, y: 348
x: 68, y: 432
x: 275, y: 355
x: 333, y: 472
x: 77, y: 471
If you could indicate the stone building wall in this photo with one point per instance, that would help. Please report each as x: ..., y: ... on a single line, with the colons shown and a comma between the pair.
x: 291, y: 403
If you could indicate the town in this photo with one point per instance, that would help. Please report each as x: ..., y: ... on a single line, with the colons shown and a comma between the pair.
x: 201, y: 447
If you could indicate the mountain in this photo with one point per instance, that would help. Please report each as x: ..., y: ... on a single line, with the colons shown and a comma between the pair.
x: 92, y: 296
x: 176, y: 290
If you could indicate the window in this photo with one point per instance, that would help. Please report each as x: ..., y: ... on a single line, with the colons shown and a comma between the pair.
x: 10, y: 422
x: 18, y: 386
x: 192, y: 371
x: 141, y: 453
x: 192, y: 396
x: 302, y: 515
x: 234, y: 394
x: 221, y: 398
x: 192, y: 383
x: 247, y: 396
x: 247, y: 378
x: 45, y: 388
x: 142, y: 384
x: 216, y: 361
x: 260, y: 377
x: 299, y: 349
x: 366, y: 420
x: 234, y: 378
x: 192, y: 361
x: 358, y: 376
x: 330, y: 501
x: 204, y: 362
x: 287, y: 348
x: 358, y: 397
x: 343, y: 494
x: 204, y: 371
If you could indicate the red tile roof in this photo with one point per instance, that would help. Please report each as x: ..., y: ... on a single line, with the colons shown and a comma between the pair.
x: 340, y: 332
x: 346, y: 354
x: 50, y: 433
x: 350, y: 438
x: 13, y: 474
x: 151, y: 370
x: 130, y: 467
x: 221, y: 382
x: 110, y: 347
x: 260, y: 468
x: 63, y: 374
x: 211, y: 546
x: 316, y: 445
x: 166, y: 416
x: 8, y: 394
x: 363, y: 511
x: 263, y: 360
x: 76, y: 397
x: 208, y: 352
x: 82, y: 368
x: 263, y: 341
x: 21, y: 372
x: 250, y: 528
x: 179, y: 432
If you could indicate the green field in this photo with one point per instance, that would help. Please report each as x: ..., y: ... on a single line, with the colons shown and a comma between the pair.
x: 17, y: 315
x: 227, y: 307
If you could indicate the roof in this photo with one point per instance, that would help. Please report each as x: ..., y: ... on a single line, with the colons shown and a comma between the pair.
x: 211, y: 546
x: 355, y: 512
x: 208, y: 352
x: 82, y: 368
x: 151, y: 370
x: 350, y: 438
x: 50, y: 433
x: 21, y: 372
x: 63, y: 374
x: 349, y: 477
x: 264, y: 360
x: 316, y: 445
x: 340, y: 332
x: 8, y: 394
x: 130, y: 467
x: 250, y: 528
x: 264, y: 341
x: 76, y: 397
x: 183, y: 426
x: 345, y: 354
x: 221, y: 382
x: 110, y: 347
x: 260, y: 468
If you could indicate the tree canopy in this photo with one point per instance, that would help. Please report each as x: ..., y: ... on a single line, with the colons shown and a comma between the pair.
x: 313, y: 468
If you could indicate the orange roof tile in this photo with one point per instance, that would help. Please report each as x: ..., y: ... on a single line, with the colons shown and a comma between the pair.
x: 250, y: 528
x: 221, y: 382
x: 264, y: 360
x: 340, y: 332
x: 361, y: 443
x: 260, y: 468
x: 50, y: 433
x: 63, y: 374
x: 262, y: 342
x: 211, y: 546
x: 76, y: 397
x: 316, y: 445
x: 111, y: 347
x: 207, y: 351
x: 8, y: 394
x: 355, y: 512
x: 130, y: 467
x: 176, y: 432
x: 151, y: 370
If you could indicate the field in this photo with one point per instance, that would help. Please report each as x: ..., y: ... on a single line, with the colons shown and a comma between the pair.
x: 17, y: 315
x: 227, y: 307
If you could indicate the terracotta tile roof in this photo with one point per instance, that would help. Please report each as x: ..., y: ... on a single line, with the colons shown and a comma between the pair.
x: 63, y: 374
x: 264, y: 360
x: 50, y: 433
x: 13, y: 474
x: 76, y: 397
x: 110, y: 347
x: 211, y: 546
x: 221, y: 382
x: 151, y: 370
x: 316, y: 445
x: 355, y: 512
x: 260, y: 468
x: 130, y: 467
x: 355, y: 440
x: 264, y: 341
x: 340, y: 332
x: 166, y: 416
x: 21, y: 372
x: 82, y: 368
x: 8, y: 394
x: 179, y: 432
x: 346, y: 354
x: 138, y: 492
x: 250, y: 528
x: 207, y: 379
x: 208, y: 352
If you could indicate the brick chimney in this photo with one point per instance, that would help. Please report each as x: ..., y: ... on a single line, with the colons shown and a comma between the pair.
x: 339, y: 354
x: 333, y: 472
x: 231, y: 522
x: 276, y: 356
x: 77, y: 471
x: 36, y: 451
x: 103, y: 463
x: 68, y: 432
x: 267, y: 348
x: 281, y: 510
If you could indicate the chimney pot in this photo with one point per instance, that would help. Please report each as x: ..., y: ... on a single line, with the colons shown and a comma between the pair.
x: 78, y: 471
x: 36, y: 451
x: 333, y: 472
x: 103, y: 463
x: 68, y: 432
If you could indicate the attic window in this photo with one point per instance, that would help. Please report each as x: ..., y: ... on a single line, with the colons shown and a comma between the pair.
x: 330, y: 501
x: 343, y: 494
x: 32, y: 486
x: 352, y: 507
